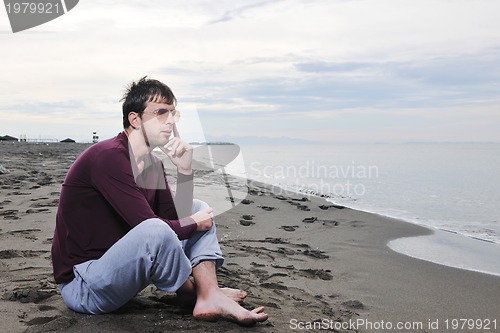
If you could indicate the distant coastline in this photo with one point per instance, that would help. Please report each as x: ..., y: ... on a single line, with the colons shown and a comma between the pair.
x: 212, y: 143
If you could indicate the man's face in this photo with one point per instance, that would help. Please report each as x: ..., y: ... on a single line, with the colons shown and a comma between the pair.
x: 158, y: 124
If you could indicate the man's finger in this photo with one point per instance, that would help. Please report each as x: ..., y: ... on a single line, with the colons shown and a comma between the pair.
x: 176, y: 132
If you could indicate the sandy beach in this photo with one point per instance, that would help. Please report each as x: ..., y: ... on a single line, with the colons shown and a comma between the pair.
x: 313, y: 265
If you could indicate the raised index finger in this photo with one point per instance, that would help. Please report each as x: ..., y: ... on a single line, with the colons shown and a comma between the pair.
x: 176, y: 132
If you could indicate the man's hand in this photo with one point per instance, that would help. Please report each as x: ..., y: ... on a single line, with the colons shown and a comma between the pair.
x: 203, y: 219
x: 181, y: 154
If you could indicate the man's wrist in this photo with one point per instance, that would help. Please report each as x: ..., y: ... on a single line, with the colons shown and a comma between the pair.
x: 187, y: 172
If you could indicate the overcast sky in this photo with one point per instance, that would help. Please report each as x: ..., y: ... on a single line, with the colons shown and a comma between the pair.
x: 324, y: 70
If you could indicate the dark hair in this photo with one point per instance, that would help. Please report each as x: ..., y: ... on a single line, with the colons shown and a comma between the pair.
x: 139, y: 93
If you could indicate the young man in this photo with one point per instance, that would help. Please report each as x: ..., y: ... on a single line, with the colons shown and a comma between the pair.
x: 119, y: 227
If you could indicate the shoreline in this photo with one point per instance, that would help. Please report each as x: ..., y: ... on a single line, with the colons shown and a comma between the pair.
x: 405, y: 193
x: 395, y: 287
x: 471, y: 249
x: 452, y: 250
x: 304, y: 260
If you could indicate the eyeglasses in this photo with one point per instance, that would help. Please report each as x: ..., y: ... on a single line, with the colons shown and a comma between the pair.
x: 162, y: 114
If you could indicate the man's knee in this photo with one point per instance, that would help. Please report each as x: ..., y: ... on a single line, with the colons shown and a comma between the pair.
x: 156, y: 231
x: 199, y: 205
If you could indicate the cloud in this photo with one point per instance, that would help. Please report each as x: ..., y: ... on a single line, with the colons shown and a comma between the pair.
x: 323, y: 66
x: 468, y: 70
x: 295, y: 68
x: 241, y: 10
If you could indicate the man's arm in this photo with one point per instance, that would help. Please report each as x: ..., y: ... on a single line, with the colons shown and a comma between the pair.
x: 183, y: 199
x: 113, y: 177
x: 181, y: 155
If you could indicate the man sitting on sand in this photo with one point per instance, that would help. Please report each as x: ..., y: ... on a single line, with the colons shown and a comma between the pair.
x: 119, y: 227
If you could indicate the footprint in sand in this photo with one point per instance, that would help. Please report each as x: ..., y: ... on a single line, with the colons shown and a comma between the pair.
x: 52, y: 203
x: 246, y: 223
x: 316, y: 254
x: 303, y: 207
x: 48, y: 241
x: 330, y: 222
x: 40, y: 320
x: 46, y: 181
x: 39, y: 210
x: 29, y: 295
x: 9, y: 214
x: 26, y: 233
x: 253, y: 263
x: 289, y: 227
x: 325, y: 222
x: 267, y: 208
x: 46, y: 307
x: 247, y: 220
x: 316, y: 274
x: 310, y: 219
x: 19, y: 193
x: 354, y: 304
x: 256, y: 192
x: 357, y: 224
x: 9, y: 254
x: 298, y: 205
x: 326, y: 207
x: 273, y: 240
x: 273, y: 285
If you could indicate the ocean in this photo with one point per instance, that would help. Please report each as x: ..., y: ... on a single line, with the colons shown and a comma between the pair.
x: 452, y: 187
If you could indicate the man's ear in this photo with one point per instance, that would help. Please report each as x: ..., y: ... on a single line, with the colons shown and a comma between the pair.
x: 134, y: 120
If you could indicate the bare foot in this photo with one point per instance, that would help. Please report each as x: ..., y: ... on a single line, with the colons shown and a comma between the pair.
x: 188, y: 293
x: 218, y: 305
x: 236, y: 295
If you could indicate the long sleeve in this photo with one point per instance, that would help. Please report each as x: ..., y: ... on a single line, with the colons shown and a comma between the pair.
x: 101, y: 201
x: 119, y: 188
x: 180, y: 206
x: 184, y: 195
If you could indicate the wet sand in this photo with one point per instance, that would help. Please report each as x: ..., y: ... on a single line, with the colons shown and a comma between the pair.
x: 311, y: 264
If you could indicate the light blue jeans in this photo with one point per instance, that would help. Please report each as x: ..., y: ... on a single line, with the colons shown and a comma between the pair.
x: 149, y: 253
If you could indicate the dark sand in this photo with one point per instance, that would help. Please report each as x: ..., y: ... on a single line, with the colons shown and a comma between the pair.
x: 304, y: 262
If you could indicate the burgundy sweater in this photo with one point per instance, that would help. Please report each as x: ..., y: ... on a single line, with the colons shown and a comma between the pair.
x: 101, y: 201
